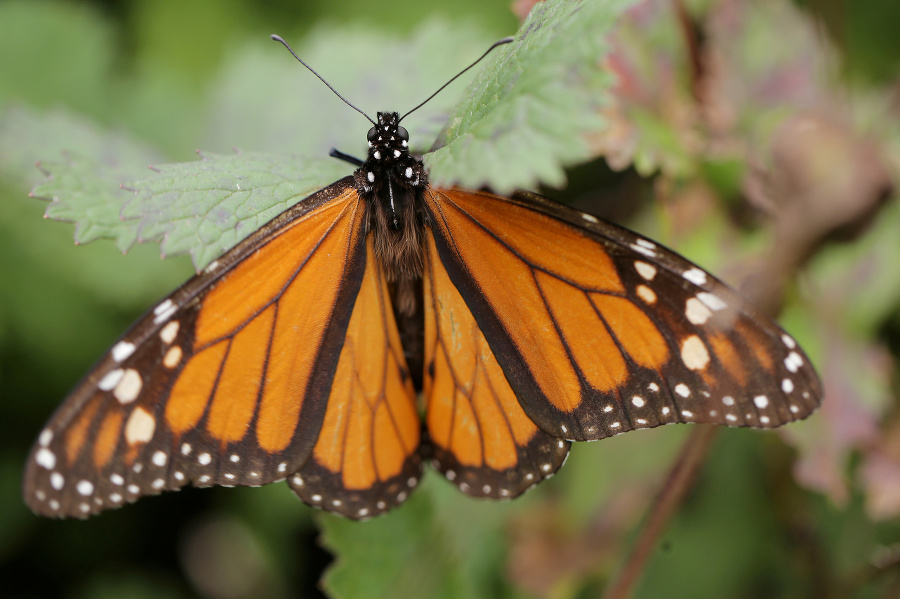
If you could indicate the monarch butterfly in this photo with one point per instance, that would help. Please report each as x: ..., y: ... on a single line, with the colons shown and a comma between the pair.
x: 298, y: 354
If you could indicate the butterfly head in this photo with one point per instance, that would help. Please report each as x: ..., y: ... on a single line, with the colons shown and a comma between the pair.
x: 389, y: 156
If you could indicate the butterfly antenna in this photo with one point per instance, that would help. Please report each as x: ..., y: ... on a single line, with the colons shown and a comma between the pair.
x: 505, y: 40
x: 278, y: 38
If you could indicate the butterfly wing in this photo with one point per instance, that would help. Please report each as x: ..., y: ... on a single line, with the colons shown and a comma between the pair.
x: 600, y: 331
x: 224, y: 382
x: 480, y: 438
x: 366, y: 459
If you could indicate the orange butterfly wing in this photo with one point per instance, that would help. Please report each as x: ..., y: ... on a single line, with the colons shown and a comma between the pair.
x: 223, y: 383
x: 479, y: 435
x: 366, y: 459
x: 600, y: 331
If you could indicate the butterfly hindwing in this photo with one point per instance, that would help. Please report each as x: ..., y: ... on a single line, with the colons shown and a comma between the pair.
x: 600, y: 331
x: 480, y: 438
x: 222, y: 383
x: 366, y: 459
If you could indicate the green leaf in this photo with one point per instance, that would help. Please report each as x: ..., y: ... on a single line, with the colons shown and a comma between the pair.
x: 82, y: 186
x: 531, y: 111
x: 439, y: 544
x: 374, y: 558
x: 207, y: 207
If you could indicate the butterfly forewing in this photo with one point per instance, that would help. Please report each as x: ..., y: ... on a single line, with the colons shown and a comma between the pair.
x: 480, y: 437
x: 600, y: 331
x: 366, y: 459
x: 224, y: 382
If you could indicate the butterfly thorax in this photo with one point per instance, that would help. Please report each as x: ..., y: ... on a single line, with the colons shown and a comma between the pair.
x: 392, y: 181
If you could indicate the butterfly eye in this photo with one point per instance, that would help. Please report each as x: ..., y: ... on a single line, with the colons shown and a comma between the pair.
x: 372, y: 134
x: 403, y: 133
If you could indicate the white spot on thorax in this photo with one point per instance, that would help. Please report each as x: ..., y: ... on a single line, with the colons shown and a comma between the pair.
x: 370, y: 176
x: 408, y: 172
x: 396, y: 153
x: 376, y: 155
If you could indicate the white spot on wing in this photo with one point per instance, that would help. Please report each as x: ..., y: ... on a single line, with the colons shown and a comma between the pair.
x: 159, y: 458
x: 646, y: 294
x: 129, y: 387
x: 789, y: 341
x: 696, y: 311
x: 45, y: 438
x: 647, y: 271
x: 682, y: 390
x: 140, y: 426
x: 169, y: 332
x: 793, y: 362
x: 84, y: 487
x: 638, y: 401
x: 761, y: 401
x: 641, y: 249
x: 172, y: 357
x: 45, y: 458
x: 712, y: 301
x: 110, y: 379
x: 57, y: 481
x: 122, y: 350
x: 694, y: 353
x: 695, y: 276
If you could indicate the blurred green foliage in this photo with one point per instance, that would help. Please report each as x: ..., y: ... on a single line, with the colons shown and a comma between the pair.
x: 97, y: 90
